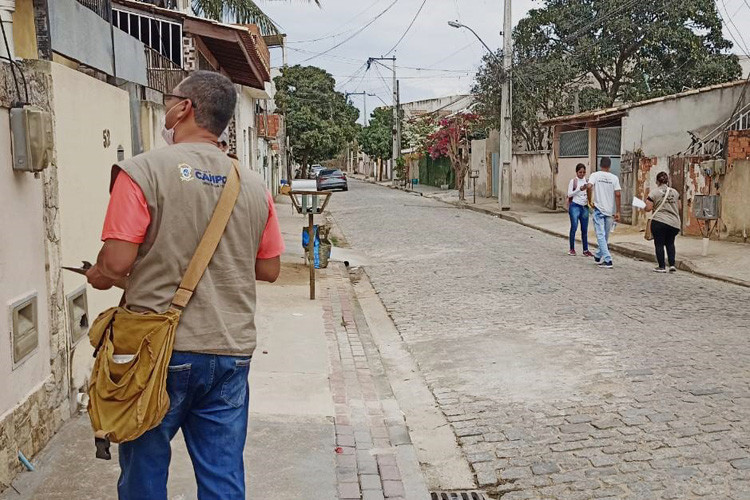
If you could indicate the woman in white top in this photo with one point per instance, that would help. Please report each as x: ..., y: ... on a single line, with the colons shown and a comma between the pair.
x: 578, y: 209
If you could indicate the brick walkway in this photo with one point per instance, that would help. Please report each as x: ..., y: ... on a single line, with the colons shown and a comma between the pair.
x: 367, y: 428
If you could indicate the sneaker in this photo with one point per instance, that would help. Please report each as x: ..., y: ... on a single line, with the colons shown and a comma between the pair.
x: 588, y: 254
x: 572, y: 253
x: 597, y: 259
x: 606, y: 265
x: 659, y: 270
x: 672, y: 269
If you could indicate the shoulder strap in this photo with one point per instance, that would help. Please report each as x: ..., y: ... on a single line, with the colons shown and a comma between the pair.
x: 210, y: 239
x: 663, y: 201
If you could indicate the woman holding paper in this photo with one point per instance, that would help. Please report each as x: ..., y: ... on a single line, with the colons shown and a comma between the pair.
x: 665, y: 221
x: 578, y: 209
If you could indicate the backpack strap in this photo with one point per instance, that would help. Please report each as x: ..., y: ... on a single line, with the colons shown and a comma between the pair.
x: 210, y: 240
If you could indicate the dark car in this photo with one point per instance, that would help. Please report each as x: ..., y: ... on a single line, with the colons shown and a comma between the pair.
x: 332, y: 180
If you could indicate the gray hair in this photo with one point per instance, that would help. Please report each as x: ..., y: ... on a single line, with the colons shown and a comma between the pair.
x: 213, y: 96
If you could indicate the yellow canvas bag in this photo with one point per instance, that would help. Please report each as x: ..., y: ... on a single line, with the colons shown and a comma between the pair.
x: 126, y: 399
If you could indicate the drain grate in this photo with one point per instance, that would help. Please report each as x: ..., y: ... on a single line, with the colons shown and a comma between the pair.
x: 458, y: 495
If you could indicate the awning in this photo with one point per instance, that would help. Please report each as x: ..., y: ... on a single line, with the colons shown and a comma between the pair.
x: 234, y: 50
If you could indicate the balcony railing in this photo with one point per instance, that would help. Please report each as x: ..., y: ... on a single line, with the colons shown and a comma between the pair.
x: 101, y: 7
x: 163, y: 74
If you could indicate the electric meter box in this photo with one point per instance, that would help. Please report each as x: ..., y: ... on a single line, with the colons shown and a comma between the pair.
x: 707, y: 206
x: 31, y: 136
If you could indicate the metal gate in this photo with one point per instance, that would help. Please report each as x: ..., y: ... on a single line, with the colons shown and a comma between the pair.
x: 677, y: 168
x: 495, y: 175
x: 628, y: 169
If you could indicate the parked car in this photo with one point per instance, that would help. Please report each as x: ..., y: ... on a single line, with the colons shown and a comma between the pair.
x: 332, y: 180
x: 315, y: 170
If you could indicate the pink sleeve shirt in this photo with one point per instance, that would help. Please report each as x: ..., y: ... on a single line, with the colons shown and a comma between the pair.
x: 128, y: 218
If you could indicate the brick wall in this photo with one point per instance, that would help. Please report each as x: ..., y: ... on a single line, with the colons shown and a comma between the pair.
x: 739, y: 146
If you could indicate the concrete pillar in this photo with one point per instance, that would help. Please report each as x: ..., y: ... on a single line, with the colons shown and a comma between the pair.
x: 7, y: 8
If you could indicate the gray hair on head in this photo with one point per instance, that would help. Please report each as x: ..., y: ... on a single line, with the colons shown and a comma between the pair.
x: 214, y: 98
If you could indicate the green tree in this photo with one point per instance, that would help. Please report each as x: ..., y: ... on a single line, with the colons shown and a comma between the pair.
x: 598, y: 52
x: 376, y: 139
x: 320, y: 121
x: 239, y: 11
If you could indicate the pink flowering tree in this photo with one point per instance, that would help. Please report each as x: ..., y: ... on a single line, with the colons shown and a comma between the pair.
x: 451, y: 140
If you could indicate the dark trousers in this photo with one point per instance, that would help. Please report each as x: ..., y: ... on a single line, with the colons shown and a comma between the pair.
x: 664, y: 236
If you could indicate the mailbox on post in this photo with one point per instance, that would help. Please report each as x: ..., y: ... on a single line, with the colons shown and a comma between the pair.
x: 707, y: 209
x: 310, y: 202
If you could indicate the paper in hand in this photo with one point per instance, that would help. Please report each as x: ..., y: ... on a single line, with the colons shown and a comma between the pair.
x: 638, y: 203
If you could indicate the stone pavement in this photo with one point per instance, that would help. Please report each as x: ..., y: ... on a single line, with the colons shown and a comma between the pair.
x: 562, y: 380
x: 726, y: 260
x: 323, y: 424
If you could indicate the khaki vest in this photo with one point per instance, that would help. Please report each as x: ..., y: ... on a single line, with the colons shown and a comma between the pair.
x: 182, y: 184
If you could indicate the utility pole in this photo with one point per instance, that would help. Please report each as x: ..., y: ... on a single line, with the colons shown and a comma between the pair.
x: 364, y: 95
x: 506, y: 134
x: 394, y: 129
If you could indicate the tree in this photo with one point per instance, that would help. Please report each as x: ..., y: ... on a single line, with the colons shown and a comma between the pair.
x: 451, y: 140
x: 320, y: 121
x: 417, y: 131
x: 599, y: 52
x: 240, y: 11
x: 376, y: 139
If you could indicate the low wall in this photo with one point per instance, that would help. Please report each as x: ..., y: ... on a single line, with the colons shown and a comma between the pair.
x: 479, y: 163
x: 532, y: 178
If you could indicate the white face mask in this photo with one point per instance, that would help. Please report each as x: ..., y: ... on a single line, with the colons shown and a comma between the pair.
x: 168, y: 133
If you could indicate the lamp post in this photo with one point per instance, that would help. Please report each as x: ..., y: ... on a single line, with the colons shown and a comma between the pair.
x: 456, y: 24
x: 506, y: 133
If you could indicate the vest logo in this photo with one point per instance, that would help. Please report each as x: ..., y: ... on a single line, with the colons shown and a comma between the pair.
x: 210, y: 179
x: 186, y: 172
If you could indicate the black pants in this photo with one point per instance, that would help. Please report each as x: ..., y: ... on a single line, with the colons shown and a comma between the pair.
x: 664, y: 236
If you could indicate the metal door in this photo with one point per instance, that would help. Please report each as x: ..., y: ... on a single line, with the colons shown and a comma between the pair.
x: 677, y: 166
x: 495, y: 175
x: 628, y: 168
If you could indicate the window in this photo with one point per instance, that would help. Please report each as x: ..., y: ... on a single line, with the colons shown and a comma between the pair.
x: 608, y: 141
x: 164, y: 37
x: 574, y: 144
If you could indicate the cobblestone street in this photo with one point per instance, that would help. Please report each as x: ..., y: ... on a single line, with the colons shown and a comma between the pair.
x: 562, y: 380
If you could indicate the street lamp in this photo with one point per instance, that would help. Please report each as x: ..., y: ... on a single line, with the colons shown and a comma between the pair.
x: 456, y: 24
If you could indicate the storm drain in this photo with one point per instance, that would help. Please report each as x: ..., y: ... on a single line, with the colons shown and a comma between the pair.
x: 458, y: 495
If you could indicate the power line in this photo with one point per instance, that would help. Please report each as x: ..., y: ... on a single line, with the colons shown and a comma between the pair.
x: 326, y: 37
x: 360, y: 30
x: 408, y: 27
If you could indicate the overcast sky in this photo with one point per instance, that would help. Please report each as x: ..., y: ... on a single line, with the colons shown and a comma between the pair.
x: 450, y: 55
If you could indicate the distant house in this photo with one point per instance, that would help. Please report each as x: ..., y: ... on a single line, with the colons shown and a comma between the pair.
x: 671, y: 133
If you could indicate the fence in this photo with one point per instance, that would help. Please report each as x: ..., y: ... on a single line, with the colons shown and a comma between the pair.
x: 163, y: 74
x: 103, y: 8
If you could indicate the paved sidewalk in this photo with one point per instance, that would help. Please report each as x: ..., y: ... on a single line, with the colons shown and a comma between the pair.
x: 323, y: 424
x: 726, y: 261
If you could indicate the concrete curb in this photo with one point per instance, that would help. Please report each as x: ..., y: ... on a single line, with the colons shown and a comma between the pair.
x: 682, y: 264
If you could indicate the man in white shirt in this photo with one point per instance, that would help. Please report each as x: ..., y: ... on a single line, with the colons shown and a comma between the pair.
x: 606, y: 190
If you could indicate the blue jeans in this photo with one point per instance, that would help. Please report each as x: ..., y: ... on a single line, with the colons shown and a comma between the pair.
x: 209, y: 402
x: 603, y: 226
x: 579, y: 213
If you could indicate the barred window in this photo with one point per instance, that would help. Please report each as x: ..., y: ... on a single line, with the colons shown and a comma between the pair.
x: 608, y: 141
x: 163, y: 36
x: 574, y: 144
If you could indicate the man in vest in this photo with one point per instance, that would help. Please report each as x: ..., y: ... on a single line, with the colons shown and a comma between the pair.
x: 160, y: 205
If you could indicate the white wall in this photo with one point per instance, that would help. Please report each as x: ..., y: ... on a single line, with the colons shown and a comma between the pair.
x: 478, y: 162
x: 84, y: 109
x: 245, y: 126
x: 659, y: 130
x: 22, y: 272
x: 532, y: 178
